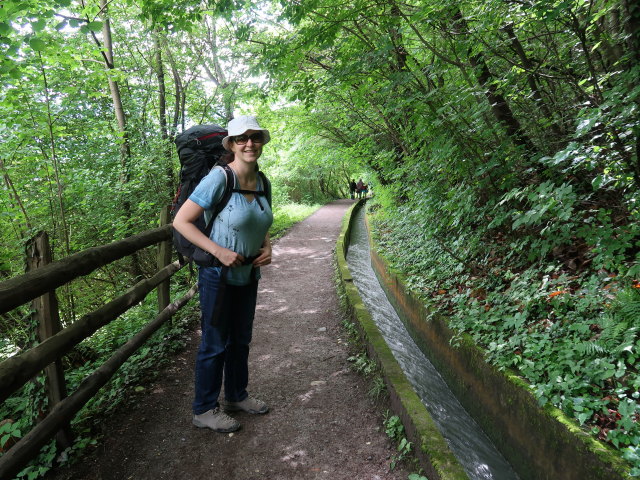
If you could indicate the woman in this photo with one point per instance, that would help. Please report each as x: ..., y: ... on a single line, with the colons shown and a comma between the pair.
x: 240, y: 241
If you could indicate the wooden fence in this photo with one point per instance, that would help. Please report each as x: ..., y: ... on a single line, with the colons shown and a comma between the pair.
x: 38, y: 285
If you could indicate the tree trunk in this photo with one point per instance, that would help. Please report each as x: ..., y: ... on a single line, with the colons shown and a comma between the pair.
x: 45, y: 311
x: 218, y: 75
x: 16, y: 196
x: 632, y: 27
x: 162, y: 113
x: 498, y: 103
x: 531, y: 80
x: 179, y: 105
x: 125, y: 148
x: 54, y: 158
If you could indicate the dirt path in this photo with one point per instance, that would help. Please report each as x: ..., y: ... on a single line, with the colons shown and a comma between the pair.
x: 322, y: 423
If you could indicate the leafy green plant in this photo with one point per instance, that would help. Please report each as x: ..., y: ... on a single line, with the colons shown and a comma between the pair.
x: 404, y: 450
x: 395, y: 431
x: 363, y: 364
x: 9, y: 433
x: 27, y: 405
x: 41, y: 464
x: 351, y: 328
x: 378, y: 387
x: 574, y: 337
x: 393, y: 427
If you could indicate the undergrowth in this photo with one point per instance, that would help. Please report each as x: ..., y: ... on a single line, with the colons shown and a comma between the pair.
x: 25, y: 408
x: 362, y: 363
x: 394, y: 429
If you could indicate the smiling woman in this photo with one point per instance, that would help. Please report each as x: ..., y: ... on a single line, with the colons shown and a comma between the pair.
x: 239, y: 240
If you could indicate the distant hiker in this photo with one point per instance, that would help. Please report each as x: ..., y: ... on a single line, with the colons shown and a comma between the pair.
x: 359, y: 188
x: 352, y: 189
x: 240, y: 243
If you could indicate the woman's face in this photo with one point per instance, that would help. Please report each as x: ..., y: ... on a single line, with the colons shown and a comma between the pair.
x: 248, y: 146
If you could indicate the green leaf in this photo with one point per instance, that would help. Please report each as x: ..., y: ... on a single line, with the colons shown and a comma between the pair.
x: 5, y: 28
x: 38, y: 25
x: 95, y: 26
x: 597, y: 181
x: 37, y: 44
x: 583, y: 417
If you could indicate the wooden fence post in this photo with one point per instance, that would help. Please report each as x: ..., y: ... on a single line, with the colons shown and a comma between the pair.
x: 164, y: 259
x: 46, y: 313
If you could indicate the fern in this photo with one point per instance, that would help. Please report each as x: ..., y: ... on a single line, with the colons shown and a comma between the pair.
x: 628, y: 341
x: 614, y: 335
x: 620, y: 327
x: 627, y: 306
x: 591, y: 348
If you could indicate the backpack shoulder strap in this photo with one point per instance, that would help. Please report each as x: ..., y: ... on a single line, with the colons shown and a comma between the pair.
x: 228, y: 189
x: 265, y: 192
x: 226, y: 195
x: 266, y: 185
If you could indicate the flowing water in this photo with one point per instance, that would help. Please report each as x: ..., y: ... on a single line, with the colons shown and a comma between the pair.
x: 473, y: 449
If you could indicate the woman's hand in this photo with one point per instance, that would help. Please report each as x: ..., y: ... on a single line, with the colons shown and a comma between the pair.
x: 228, y: 257
x: 264, y: 256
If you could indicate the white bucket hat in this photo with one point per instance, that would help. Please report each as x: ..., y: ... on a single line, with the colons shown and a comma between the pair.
x: 240, y: 125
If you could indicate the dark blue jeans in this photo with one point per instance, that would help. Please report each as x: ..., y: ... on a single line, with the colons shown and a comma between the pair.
x: 224, y: 347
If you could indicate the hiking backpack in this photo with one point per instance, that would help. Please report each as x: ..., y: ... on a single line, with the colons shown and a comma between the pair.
x: 199, y: 150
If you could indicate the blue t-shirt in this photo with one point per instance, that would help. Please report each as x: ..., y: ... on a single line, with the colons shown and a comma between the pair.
x: 241, y: 225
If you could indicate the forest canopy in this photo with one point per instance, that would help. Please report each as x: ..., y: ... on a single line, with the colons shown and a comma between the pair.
x: 500, y: 139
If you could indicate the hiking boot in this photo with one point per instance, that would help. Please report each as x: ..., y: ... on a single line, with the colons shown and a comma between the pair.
x: 216, y: 420
x: 249, y: 405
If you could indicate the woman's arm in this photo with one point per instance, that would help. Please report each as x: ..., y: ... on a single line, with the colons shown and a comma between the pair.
x: 184, y: 223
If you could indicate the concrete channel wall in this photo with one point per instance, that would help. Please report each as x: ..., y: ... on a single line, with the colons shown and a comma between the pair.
x: 432, y: 450
x: 540, y: 443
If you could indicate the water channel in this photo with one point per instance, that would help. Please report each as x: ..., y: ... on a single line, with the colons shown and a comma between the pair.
x: 473, y: 449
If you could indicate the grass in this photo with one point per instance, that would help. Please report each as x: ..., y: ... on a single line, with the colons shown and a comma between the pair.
x: 287, y: 215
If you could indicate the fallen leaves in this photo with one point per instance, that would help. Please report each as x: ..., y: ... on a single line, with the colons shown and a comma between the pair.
x: 558, y: 292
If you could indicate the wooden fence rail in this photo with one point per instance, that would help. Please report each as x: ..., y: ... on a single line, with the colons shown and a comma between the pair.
x: 19, y: 290
x: 17, y: 370
x: 29, y: 445
x: 41, y: 284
